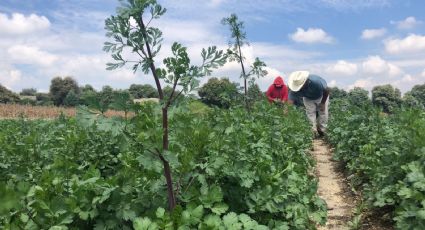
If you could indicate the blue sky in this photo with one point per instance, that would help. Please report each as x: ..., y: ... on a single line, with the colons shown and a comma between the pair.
x: 348, y: 42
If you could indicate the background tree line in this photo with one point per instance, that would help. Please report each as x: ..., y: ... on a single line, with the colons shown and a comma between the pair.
x: 220, y: 92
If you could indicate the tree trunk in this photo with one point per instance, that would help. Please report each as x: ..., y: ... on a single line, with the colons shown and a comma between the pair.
x: 243, y: 75
x: 167, y: 170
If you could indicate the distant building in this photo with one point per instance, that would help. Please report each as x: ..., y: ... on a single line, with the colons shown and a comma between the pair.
x: 143, y: 100
x: 32, y: 98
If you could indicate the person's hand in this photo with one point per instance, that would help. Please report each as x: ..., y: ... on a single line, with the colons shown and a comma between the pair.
x: 275, y: 101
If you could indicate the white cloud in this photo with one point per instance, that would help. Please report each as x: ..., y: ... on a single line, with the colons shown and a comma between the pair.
x: 377, y: 66
x: 343, y: 68
x: 394, y: 70
x: 363, y: 83
x: 408, y: 23
x: 410, y: 44
x: 267, y: 80
x: 311, y: 35
x: 423, y: 73
x: 31, y: 55
x: 186, y: 31
x: 407, y: 78
x: 368, y: 34
x: 332, y: 83
x: 280, y: 52
x: 20, y: 24
x: 10, y: 78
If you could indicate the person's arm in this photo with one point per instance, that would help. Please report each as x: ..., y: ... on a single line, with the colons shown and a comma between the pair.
x: 285, y: 93
x: 325, y: 95
x: 269, y: 94
x: 291, y: 97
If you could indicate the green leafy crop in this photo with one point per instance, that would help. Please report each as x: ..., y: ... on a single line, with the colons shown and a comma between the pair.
x: 232, y: 170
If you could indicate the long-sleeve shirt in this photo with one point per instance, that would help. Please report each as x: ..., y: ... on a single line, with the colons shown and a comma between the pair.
x: 280, y: 93
x: 315, y: 86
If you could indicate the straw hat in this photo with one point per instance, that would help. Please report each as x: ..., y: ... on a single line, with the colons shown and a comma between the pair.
x: 297, y: 79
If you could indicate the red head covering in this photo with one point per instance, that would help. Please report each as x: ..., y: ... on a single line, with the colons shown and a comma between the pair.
x: 278, y: 82
x: 277, y: 90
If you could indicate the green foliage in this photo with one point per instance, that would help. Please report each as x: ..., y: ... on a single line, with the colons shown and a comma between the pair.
x: 337, y: 93
x: 385, y: 154
x: 43, y: 99
x: 410, y: 101
x: 178, y: 71
x: 359, y: 97
x: 219, y: 92
x: 234, y: 53
x: 106, y: 96
x: 60, y: 87
x: 232, y: 171
x: 27, y: 101
x: 86, y: 88
x: 418, y: 93
x: 255, y: 94
x: 71, y: 99
x: 122, y: 102
x: 135, y: 38
x: 7, y: 96
x: 387, y: 97
x: 28, y: 92
x: 142, y: 91
x: 94, y: 101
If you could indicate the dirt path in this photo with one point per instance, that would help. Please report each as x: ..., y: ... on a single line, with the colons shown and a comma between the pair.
x: 332, y: 188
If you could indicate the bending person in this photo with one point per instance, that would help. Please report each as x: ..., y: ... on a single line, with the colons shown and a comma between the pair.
x: 315, y: 94
x: 277, y: 92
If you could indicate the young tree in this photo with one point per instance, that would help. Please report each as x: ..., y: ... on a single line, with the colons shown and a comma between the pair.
x: 235, y: 51
x: 145, y: 41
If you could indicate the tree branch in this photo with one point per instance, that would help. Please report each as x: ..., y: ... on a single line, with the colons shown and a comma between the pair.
x: 172, y: 92
x: 150, y: 58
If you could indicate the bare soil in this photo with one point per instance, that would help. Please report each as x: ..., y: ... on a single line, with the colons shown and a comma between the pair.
x: 341, y: 201
x: 332, y: 188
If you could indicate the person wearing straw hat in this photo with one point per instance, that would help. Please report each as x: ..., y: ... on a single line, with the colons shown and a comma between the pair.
x: 315, y: 94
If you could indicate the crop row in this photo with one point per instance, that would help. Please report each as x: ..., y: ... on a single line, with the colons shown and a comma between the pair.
x: 385, y: 153
x: 231, y: 170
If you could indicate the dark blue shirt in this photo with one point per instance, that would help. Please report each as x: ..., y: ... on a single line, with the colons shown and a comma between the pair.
x: 313, y: 88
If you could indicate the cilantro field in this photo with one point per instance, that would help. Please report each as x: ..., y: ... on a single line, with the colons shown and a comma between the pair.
x: 384, y: 155
x: 232, y: 170
x: 161, y: 157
